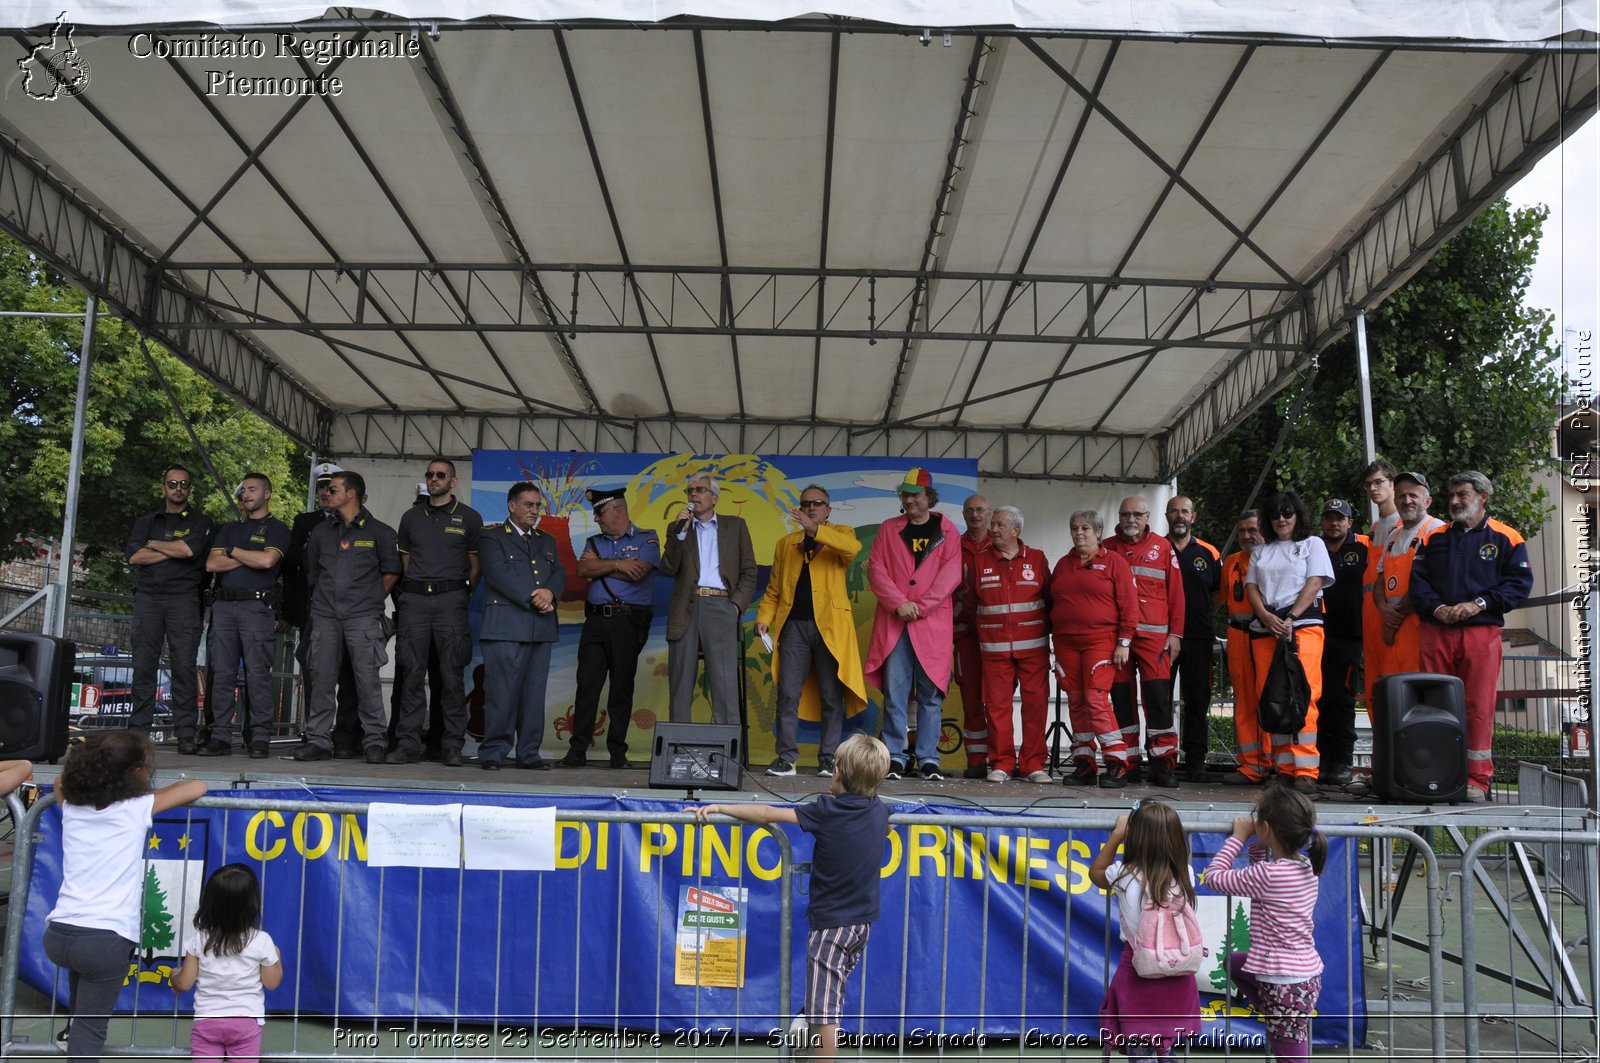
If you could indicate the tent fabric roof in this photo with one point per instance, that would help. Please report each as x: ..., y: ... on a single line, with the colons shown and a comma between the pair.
x: 1068, y: 256
x: 1487, y: 20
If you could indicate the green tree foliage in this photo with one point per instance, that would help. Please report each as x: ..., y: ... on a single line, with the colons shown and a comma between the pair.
x: 1463, y: 377
x: 1236, y: 938
x: 131, y: 430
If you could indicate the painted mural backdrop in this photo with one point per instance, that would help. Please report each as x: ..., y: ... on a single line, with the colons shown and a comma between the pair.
x: 760, y: 489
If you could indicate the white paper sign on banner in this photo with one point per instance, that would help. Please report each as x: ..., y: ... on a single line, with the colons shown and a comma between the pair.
x: 509, y: 839
x: 413, y: 835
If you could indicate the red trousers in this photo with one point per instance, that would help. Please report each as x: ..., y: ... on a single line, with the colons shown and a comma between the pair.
x: 1472, y: 653
x: 1086, y: 673
x: 1002, y: 674
x: 974, y: 720
x: 1294, y: 754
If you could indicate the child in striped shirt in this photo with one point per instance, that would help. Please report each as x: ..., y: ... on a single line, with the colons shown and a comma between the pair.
x: 1280, y: 974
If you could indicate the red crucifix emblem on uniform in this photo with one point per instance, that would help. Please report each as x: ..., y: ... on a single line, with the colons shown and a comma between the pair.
x: 1027, y: 572
x: 1154, y: 553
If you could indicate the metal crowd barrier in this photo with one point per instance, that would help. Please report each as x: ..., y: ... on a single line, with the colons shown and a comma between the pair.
x: 1402, y: 1028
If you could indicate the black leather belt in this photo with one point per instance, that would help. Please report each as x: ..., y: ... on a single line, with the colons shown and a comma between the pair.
x: 225, y: 594
x: 1239, y: 625
x: 411, y: 586
x: 591, y: 609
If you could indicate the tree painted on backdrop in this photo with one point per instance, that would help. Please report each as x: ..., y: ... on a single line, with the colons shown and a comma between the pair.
x: 156, y: 929
x: 131, y: 431
x: 1464, y: 376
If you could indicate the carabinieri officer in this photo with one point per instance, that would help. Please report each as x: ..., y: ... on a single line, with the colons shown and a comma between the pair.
x: 519, y: 628
x: 619, y: 562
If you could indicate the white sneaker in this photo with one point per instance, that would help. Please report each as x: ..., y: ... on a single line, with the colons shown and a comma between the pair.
x: 999, y: 776
x: 1038, y: 776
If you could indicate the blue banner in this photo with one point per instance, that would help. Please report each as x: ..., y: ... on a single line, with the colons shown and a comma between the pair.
x: 984, y: 933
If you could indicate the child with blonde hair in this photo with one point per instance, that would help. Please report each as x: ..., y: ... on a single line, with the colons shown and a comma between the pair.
x: 849, y: 823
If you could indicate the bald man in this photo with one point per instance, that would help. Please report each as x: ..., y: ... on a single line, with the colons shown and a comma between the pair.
x: 969, y: 665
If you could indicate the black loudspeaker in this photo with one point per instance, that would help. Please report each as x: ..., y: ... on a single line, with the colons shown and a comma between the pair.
x: 35, y: 695
x: 1419, y: 738
x: 695, y: 756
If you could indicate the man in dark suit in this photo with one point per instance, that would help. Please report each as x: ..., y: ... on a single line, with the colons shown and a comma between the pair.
x: 524, y: 580
x: 714, y: 565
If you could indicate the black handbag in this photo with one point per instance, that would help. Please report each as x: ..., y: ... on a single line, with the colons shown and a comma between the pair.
x: 1286, y: 694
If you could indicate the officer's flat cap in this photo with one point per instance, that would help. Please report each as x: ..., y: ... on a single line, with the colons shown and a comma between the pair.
x: 598, y: 499
x: 326, y: 469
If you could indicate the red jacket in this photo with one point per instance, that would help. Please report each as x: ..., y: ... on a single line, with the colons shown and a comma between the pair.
x: 963, y: 626
x: 1093, y: 597
x: 1158, y: 579
x: 1012, y: 602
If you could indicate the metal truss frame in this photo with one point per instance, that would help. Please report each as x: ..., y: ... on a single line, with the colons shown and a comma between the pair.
x: 469, y: 298
x: 1014, y: 454
x: 1549, y: 93
x: 46, y: 216
x: 208, y: 312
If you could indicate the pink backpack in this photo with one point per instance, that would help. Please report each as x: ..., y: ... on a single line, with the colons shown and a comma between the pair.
x: 1169, y: 943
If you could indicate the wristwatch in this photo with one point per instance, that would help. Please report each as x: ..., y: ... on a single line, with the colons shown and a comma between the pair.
x: 1481, y: 604
x: 227, y: 551
x: 1124, y: 643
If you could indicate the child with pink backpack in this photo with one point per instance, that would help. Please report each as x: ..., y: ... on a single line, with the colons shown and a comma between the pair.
x: 1152, y: 1002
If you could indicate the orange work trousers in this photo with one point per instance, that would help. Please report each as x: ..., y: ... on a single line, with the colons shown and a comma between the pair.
x: 1293, y: 754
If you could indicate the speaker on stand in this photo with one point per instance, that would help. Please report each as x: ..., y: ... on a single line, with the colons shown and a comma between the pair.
x: 35, y: 695
x: 1419, y: 738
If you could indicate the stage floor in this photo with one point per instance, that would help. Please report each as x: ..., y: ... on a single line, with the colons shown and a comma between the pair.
x: 280, y: 771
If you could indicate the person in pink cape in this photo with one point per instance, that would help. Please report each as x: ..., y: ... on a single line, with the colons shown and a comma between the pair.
x: 914, y: 570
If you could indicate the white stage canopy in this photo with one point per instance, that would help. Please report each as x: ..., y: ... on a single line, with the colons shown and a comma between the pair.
x: 1073, y: 242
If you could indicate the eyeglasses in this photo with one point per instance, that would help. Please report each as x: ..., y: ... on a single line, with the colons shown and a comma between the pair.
x: 1376, y: 481
x: 699, y: 490
x: 1134, y: 513
x: 1287, y: 514
x: 436, y: 475
x: 175, y: 484
x: 813, y: 503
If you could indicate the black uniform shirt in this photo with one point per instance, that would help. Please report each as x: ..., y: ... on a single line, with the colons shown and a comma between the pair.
x: 437, y: 541
x: 346, y: 563
x: 1341, y: 603
x: 1202, y: 575
x: 268, y: 533
x: 174, y: 576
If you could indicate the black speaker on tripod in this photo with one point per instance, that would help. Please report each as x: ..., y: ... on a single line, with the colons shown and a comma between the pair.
x: 35, y: 695
x: 1419, y: 738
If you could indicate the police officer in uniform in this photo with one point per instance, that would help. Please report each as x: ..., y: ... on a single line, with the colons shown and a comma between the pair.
x: 439, y: 553
x: 352, y: 563
x: 168, y: 547
x: 246, y: 555
x: 347, y: 739
x: 619, y: 563
x: 519, y: 628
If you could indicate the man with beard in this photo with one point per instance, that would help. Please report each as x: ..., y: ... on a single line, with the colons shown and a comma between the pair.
x: 1466, y: 577
x: 1201, y: 566
x: 1156, y: 642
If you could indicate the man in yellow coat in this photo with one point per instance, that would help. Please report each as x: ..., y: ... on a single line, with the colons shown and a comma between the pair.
x: 806, y: 615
